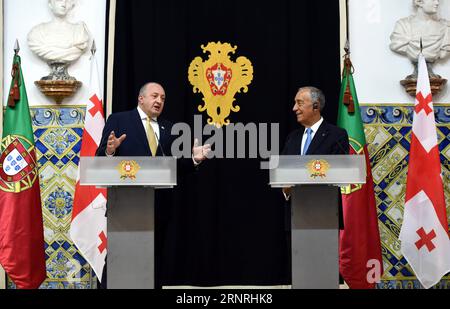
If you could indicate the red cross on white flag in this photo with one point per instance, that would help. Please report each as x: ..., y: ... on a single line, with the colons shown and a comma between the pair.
x: 424, y: 235
x: 88, y: 226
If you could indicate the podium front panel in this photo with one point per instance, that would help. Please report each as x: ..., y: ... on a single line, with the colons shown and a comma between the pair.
x: 340, y: 170
x: 140, y: 171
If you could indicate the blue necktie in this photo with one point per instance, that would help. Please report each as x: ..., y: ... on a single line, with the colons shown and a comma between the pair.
x: 308, y: 140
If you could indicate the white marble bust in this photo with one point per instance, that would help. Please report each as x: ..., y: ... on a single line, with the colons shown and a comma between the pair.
x: 426, y: 25
x: 59, y: 41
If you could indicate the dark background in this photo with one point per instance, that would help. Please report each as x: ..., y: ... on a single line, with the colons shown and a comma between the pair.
x: 224, y: 224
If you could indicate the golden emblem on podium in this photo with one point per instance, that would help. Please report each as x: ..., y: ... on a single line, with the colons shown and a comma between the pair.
x: 128, y: 169
x: 219, y: 79
x: 318, y: 168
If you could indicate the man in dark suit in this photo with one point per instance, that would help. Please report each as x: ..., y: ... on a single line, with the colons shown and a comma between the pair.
x: 314, y: 137
x: 141, y: 132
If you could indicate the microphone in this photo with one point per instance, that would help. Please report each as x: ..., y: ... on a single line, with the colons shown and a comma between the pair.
x: 159, y: 142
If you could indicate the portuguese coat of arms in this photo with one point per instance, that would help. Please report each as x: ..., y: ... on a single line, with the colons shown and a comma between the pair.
x: 219, y: 79
x: 128, y: 169
x: 318, y: 168
x: 18, y: 169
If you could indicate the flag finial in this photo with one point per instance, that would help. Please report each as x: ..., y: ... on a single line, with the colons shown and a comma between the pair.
x: 347, y: 47
x: 421, y: 45
x: 93, y: 48
x: 16, y: 47
x: 348, y: 67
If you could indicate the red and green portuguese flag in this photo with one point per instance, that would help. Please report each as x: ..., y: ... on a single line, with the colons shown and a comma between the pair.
x: 21, y: 228
x: 360, y: 260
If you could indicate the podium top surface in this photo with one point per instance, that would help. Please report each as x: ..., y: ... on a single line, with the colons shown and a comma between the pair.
x: 339, y: 170
x: 159, y: 172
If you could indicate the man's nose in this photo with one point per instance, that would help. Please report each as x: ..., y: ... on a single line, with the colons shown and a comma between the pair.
x: 294, y: 108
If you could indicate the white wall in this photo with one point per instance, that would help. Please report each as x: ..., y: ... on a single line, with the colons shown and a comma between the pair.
x: 378, y: 69
x: 22, y: 15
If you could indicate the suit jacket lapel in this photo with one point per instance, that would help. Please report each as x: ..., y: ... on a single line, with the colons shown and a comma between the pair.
x: 297, y: 150
x: 320, y: 135
x: 163, y: 138
x: 294, y: 144
x: 162, y: 132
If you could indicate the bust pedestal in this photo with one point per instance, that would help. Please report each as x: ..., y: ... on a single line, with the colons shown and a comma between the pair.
x: 58, y: 89
x: 58, y: 85
x: 436, y: 84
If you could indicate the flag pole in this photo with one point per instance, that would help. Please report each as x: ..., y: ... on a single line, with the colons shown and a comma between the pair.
x: 14, y: 92
x: 348, y: 69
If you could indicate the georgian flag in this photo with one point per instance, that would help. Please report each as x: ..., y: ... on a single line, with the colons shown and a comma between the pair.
x: 424, y: 234
x: 88, y: 226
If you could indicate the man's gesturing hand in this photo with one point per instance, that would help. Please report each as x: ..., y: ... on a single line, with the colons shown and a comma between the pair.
x: 114, y: 143
x: 200, y: 153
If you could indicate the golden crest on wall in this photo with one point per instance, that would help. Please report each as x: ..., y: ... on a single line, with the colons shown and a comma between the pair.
x: 128, y: 169
x: 219, y: 79
x: 318, y: 168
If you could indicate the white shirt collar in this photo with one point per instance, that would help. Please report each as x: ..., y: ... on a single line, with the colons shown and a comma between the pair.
x: 144, y: 116
x: 315, y: 126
